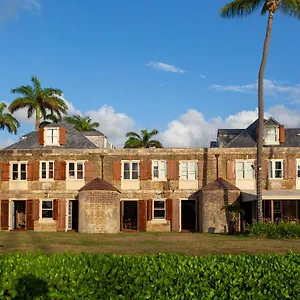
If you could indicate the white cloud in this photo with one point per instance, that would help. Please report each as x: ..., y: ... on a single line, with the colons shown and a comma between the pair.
x: 9, y: 9
x: 193, y: 130
x: 5, y: 143
x: 164, y: 67
x: 271, y: 88
x: 202, y: 76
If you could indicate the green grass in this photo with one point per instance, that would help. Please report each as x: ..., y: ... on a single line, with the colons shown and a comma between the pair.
x: 142, y: 243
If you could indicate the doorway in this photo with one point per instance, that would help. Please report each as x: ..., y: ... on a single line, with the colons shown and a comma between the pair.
x: 188, y: 215
x: 129, y: 218
x: 18, y: 217
x: 72, y: 224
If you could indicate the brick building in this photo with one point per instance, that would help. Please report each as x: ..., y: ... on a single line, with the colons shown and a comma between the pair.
x: 59, y: 179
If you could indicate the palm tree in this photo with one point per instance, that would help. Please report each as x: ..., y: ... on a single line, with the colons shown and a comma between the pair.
x: 241, y: 8
x: 82, y: 123
x: 142, y: 141
x: 39, y: 101
x: 7, y: 120
x: 50, y: 118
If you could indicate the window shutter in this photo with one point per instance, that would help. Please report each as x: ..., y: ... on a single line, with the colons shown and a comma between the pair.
x: 5, y: 171
x: 89, y: 169
x: 55, y: 209
x: 63, y: 167
x: 142, y: 215
x: 291, y: 170
x: 117, y: 170
x: 35, y: 170
x: 150, y: 209
x: 35, y: 209
x: 29, y: 171
x: 41, y: 136
x: 265, y: 168
x: 169, y: 209
x: 62, y: 136
x: 230, y: 169
x: 4, y: 214
x: 145, y: 170
x: 61, y: 220
x: 29, y: 215
x: 173, y: 170
x: 281, y: 134
x: 59, y: 170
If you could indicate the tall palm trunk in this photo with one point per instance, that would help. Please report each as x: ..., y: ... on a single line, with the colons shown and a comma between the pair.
x: 261, y: 117
x: 37, y: 118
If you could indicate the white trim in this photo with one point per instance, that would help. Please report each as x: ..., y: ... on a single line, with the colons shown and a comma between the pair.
x: 159, y: 178
x: 245, y: 162
x: 271, y: 169
x: 165, y: 209
x: 130, y: 169
x: 47, y: 170
x: 188, y: 170
x: 75, y: 162
x: 41, y: 210
x: 46, y: 129
x: 11, y: 163
x: 276, y: 142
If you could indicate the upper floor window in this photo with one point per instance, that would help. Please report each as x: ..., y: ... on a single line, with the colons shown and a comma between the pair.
x: 159, y: 209
x: 271, y: 135
x: 159, y: 169
x: 52, y: 135
x: 47, y: 209
x: 75, y: 170
x: 244, y: 169
x: 46, y: 169
x: 19, y: 171
x: 130, y: 170
x: 276, y: 169
x: 188, y: 170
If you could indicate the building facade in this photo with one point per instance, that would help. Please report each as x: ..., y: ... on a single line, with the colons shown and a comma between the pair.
x: 59, y: 179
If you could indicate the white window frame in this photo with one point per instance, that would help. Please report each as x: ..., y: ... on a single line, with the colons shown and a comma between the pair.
x: 54, y: 138
x: 246, y: 167
x: 130, y: 162
x: 271, y: 169
x: 160, y: 170
x: 160, y: 209
x: 276, y: 141
x: 41, y: 209
x: 19, y: 163
x: 75, y: 162
x: 47, y: 170
x: 188, y: 162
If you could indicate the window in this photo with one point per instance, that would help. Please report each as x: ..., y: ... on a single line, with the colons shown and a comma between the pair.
x: 271, y: 135
x: 159, y: 209
x: 276, y: 169
x: 188, y: 170
x: 159, y: 169
x: 51, y: 136
x: 18, y: 171
x: 75, y: 170
x: 244, y: 169
x: 47, y: 170
x: 130, y: 170
x: 47, y: 209
x: 298, y: 170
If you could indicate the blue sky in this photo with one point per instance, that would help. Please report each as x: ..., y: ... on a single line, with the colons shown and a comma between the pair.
x: 171, y: 65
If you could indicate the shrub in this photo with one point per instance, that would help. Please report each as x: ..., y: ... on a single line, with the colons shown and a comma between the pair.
x: 274, y: 231
x: 92, y: 276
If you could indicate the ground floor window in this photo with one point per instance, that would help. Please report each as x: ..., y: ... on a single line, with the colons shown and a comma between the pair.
x: 47, y: 209
x: 159, y: 209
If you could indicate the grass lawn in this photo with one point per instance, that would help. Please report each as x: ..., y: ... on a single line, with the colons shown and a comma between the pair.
x: 141, y: 243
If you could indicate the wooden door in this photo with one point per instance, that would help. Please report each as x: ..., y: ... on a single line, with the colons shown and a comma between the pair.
x: 4, y: 214
x: 29, y: 213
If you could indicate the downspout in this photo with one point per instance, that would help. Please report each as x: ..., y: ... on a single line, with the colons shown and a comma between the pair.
x: 102, y: 167
x: 217, y: 164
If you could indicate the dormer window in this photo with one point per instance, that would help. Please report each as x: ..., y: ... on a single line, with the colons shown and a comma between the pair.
x: 271, y: 135
x: 51, y: 137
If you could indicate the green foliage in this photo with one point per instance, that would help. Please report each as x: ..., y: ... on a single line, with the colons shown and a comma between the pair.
x: 82, y: 123
x: 7, y: 120
x: 92, y: 276
x: 142, y: 141
x: 274, y: 231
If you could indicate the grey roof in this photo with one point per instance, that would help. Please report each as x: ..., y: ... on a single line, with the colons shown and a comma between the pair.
x: 74, y: 140
x: 92, y: 133
x: 241, y: 140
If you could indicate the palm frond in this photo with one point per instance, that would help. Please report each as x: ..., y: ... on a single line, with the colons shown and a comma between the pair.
x: 290, y: 8
x: 154, y: 143
x: 53, y: 92
x: 133, y: 143
x: 2, y: 107
x: 36, y: 85
x: 240, y: 8
x: 133, y: 134
x: 20, y: 103
x: 26, y: 91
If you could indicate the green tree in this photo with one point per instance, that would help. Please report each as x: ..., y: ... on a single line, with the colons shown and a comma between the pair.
x: 39, y: 101
x: 142, y: 141
x: 82, y: 123
x: 243, y: 8
x: 7, y: 120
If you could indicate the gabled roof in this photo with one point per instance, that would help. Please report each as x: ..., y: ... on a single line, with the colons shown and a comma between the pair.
x: 271, y: 121
x: 99, y: 184
x: 241, y: 140
x: 92, y: 133
x: 220, y: 184
x: 74, y: 140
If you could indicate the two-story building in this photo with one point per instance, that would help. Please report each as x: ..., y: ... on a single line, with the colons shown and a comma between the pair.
x: 60, y: 179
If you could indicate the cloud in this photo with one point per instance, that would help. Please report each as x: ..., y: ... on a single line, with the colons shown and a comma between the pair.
x: 193, y: 130
x: 272, y: 88
x: 164, y: 67
x: 202, y: 76
x: 9, y: 9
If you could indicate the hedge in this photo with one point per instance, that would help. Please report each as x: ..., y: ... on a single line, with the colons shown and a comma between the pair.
x: 164, y: 276
x: 274, y: 231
